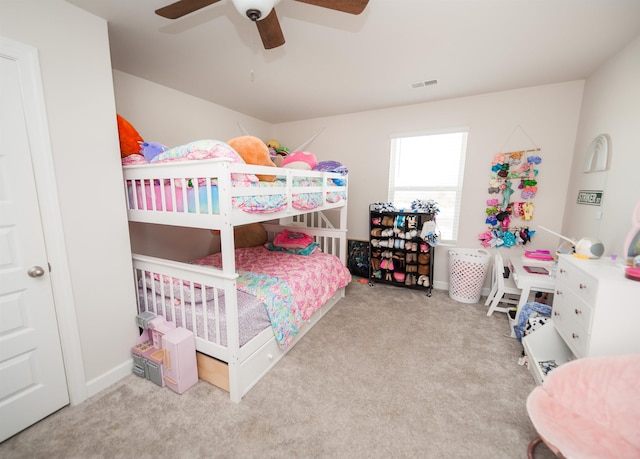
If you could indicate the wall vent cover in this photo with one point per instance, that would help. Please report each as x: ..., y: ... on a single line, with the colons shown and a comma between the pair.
x: 422, y: 84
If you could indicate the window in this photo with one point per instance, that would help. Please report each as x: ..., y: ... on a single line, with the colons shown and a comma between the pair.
x: 430, y: 166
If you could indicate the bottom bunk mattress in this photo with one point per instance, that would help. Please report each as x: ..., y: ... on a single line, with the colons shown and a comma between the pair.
x: 183, y: 303
x: 277, y: 288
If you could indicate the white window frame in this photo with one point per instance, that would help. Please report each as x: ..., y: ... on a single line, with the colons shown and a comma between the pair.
x: 438, y: 157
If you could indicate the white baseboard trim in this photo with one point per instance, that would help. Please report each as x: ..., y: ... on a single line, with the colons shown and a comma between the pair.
x: 439, y: 285
x: 109, y: 378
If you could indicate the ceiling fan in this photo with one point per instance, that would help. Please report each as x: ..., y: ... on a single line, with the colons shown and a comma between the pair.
x: 262, y: 12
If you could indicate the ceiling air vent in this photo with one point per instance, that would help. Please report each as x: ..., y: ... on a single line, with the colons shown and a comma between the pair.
x: 422, y: 84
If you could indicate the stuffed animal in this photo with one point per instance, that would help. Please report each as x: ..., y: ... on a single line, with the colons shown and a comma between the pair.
x: 152, y: 149
x: 277, y: 152
x: 332, y: 166
x: 253, y: 151
x: 130, y: 140
x: 273, y: 146
x: 277, y: 160
x: 251, y: 235
x: 300, y: 160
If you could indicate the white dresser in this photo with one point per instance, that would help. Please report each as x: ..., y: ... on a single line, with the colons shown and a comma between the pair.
x: 596, y: 311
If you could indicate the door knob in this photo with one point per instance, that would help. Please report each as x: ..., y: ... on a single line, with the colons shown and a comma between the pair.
x: 35, y: 271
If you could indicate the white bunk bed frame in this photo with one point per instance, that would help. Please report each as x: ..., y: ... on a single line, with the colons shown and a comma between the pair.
x: 232, y: 367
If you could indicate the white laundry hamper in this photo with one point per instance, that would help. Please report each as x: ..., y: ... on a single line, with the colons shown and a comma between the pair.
x: 467, y: 270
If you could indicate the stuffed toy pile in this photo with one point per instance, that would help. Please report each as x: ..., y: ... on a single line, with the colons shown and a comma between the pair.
x: 135, y: 150
x: 253, y: 151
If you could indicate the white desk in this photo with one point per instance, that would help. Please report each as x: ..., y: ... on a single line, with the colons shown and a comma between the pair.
x: 528, y: 282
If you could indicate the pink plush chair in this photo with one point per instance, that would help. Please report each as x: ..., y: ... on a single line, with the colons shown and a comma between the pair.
x: 589, y: 408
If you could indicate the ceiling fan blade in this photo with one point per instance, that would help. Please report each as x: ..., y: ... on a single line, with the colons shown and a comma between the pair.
x: 183, y: 7
x: 346, y: 6
x: 270, y: 31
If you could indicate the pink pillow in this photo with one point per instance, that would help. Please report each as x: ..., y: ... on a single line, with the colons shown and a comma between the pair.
x: 300, y: 160
x: 292, y: 240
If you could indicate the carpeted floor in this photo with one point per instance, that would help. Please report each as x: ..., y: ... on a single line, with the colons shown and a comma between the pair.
x: 388, y: 373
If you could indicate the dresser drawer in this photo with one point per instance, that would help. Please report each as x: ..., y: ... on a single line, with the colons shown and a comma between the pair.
x: 568, y: 307
x: 543, y: 347
x: 576, y: 338
x: 584, y: 285
x: 572, y: 317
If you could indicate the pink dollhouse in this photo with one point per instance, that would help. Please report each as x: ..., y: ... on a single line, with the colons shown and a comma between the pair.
x: 165, y: 354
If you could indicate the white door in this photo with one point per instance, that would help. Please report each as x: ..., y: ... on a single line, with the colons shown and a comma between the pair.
x: 32, y: 377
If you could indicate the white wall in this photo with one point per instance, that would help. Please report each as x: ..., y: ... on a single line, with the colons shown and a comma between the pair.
x: 548, y: 116
x: 164, y: 115
x: 611, y: 105
x: 76, y: 73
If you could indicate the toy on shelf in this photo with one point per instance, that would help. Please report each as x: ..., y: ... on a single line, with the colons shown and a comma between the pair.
x: 165, y: 354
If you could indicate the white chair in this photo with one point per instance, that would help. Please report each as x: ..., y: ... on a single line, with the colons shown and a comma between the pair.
x: 501, y: 289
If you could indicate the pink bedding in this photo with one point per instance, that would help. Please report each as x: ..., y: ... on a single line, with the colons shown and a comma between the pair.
x: 312, y: 282
x: 277, y: 288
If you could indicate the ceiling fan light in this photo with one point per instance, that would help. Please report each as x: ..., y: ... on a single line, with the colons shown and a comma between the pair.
x: 263, y: 6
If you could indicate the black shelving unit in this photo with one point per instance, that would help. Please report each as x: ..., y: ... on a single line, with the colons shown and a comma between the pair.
x: 397, y: 254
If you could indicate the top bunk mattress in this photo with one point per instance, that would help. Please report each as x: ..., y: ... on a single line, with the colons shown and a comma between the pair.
x: 214, y: 185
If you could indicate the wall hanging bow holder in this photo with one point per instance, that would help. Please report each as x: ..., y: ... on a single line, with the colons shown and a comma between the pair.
x: 513, y: 184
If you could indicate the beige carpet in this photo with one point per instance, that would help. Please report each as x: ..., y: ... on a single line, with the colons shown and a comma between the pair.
x: 389, y: 372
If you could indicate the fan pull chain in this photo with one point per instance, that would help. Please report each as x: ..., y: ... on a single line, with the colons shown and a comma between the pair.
x: 254, y: 51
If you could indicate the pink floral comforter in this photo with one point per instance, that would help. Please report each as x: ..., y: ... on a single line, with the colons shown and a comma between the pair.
x: 312, y: 279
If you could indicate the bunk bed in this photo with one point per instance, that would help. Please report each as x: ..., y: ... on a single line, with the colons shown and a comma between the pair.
x: 215, y: 296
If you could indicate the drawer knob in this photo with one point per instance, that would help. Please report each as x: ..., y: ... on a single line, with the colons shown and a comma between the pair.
x: 575, y: 335
x: 562, y: 271
x: 582, y: 286
x: 577, y: 311
x: 556, y: 313
x: 558, y: 292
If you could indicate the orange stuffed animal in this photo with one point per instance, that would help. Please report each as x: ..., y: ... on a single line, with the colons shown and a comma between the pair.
x: 253, y: 151
x: 130, y: 140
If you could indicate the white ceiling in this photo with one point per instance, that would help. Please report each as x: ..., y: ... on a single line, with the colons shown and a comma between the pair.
x: 334, y: 63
